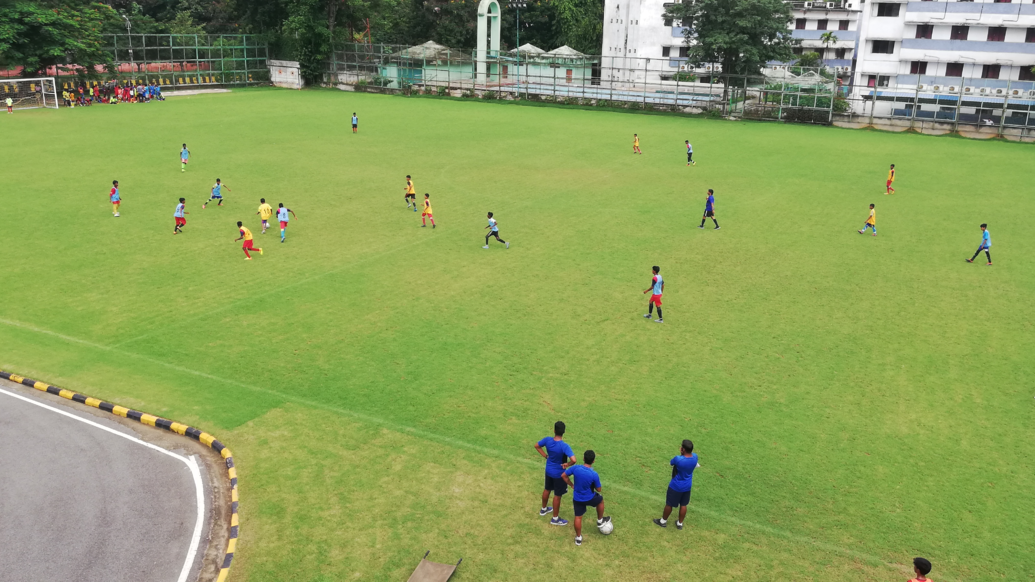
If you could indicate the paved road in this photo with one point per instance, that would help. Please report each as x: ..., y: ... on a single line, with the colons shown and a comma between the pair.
x: 78, y: 503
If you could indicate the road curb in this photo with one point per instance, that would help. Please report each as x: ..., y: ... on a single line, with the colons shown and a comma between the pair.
x: 159, y: 422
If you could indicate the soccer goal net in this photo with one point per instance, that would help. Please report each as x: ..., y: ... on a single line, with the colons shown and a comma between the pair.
x: 29, y: 93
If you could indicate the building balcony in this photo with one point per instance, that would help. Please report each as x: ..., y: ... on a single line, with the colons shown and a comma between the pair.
x: 846, y: 35
x: 677, y: 31
x: 957, y: 46
x: 980, y: 8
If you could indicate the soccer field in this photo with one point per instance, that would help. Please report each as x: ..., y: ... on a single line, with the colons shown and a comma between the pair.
x: 855, y: 401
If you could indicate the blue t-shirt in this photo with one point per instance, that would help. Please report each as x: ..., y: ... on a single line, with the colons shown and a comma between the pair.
x: 586, y: 481
x: 217, y: 189
x: 355, y: 120
x: 557, y: 454
x: 282, y: 215
x: 184, y: 154
x: 711, y: 202
x: 658, y: 282
x: 179, y: 211
x: 683, y: 479
x: 986, y: 240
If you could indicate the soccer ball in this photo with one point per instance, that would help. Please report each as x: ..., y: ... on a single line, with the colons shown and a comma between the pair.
x: 607, y: 528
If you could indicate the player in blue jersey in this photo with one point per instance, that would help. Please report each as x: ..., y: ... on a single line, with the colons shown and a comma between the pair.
x: 709, y: 209
x: 657, y: 287
x: 587, y: 492
x: 181, y: 220
x: 678, y: 494
x: 986, y: 245
x: 282, y: 217
x: 559, y: 457
x: 217, y: 193
x: 494, y: 230
x: 355, y: 123
x: 184, y: 158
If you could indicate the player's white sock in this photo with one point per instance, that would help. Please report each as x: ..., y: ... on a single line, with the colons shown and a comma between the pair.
x: 663, y: 521
x: 679, y: 523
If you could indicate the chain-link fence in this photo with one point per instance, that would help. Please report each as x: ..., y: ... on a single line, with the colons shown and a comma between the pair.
x: 927, y: 104
x: 937, y: 105
x: 184, y: 59
x: 787, y: 93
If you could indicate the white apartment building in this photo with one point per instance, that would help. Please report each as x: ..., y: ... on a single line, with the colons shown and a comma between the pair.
x: 959, y: 56
x: 640, y: 44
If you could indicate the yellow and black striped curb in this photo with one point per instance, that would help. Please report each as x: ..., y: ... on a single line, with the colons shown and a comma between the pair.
x: 156, y: 421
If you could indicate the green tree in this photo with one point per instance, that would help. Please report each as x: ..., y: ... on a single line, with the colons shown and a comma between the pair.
x: 741, y: 35
x: 39, y: 34
x: 828, y: 38
x: 306, y: 32
x: 579, y: 24
x: 810, y: 60
x: 184, y: 24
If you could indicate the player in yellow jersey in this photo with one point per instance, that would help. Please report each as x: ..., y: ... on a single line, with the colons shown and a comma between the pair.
x: 891, y: 180
x: 265, y: 212
x: 636, y: 144
x: 247, y: 236
x: 427, y: 213
x: 411, y: 192
x: 871, y: 222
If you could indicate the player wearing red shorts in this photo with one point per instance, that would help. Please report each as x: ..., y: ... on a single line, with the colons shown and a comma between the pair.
x: 891, y: 180
x: 181, y: 220
x: 282, y: 217
x: 247, y: 245
x: 426, y: 215
x: 657, y: 287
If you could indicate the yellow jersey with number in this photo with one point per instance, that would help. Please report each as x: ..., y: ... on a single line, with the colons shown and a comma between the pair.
x: 873, y: 217
x: 265, y: 211
x: 409, y: 187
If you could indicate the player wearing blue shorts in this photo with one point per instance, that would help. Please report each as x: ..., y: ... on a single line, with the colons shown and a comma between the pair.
x: 217, y: 193
x: 184, y: 158
x: 559, y: 457
x: 678, y: 494
x: 587, y: 492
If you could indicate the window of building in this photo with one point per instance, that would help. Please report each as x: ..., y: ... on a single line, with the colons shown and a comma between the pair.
x: 821, y: 24
x: 799, y: 24
x: 918, y: 68
x: 954, y: 70
x: 924, y: 30
x: 990, y: 72
x: 996, y: 33
x: 840, y: 53
x: 1030, y: 37
x: 883, y: 80
x: 1001, y: 1
x: 666, y: 51
x: 959, y: 32
x: 683, y: 51
x: 668, y: 22
x: 842, y: 25
x: 1026, y: 73
x: 883, y: 47
x: 887, y: 9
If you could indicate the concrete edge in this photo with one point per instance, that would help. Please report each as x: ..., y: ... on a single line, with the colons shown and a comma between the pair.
x: 169, y: 425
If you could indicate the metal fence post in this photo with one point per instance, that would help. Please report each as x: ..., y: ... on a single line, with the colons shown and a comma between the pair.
x: 1006, y: 101
x: 959, y: 103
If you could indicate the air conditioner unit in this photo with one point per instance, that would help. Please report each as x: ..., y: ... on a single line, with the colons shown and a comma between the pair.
x: 1031, y: 93
x: 969, y: 90
x: 953, y: 89
x: 808, y: 5
x: 1000, y: 91
x: 923, y: 87
x: 983, y: 90
x: 937, y: 88
x: 1015, y: 93
x: 831, y: 5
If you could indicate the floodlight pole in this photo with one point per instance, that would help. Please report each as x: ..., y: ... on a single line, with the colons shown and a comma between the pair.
x: 517, y: 50
x: 129, y: 36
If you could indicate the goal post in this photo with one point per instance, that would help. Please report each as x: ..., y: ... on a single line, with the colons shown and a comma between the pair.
x: 29, y: 93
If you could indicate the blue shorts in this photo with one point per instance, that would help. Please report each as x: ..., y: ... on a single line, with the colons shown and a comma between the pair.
x: 580, y: 506
x: 675, y: 498
x: 555, y: 484
x: 217, y: 196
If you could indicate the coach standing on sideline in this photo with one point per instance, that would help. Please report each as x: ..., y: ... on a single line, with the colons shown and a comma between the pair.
x: 679, y: 487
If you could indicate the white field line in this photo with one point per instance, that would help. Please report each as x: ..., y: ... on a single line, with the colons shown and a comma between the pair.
x: 450, y: 441
x: 191, y: 463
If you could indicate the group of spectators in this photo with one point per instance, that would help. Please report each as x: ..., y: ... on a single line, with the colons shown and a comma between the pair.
x: 112, y: 92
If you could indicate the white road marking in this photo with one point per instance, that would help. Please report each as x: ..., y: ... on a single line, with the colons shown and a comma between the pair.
x: 192, y: 465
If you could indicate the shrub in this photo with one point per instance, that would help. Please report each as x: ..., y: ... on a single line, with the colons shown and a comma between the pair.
x: 684, y: 77
x: 442, y: 91
x: 380, y: 81
x: 489, y: 95
x: 467, y: 93
x: 841, y: 105
x: 571, y: 101
x: 361, y: 83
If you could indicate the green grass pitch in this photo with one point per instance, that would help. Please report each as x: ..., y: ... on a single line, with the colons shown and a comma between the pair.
x: 856, y: 401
